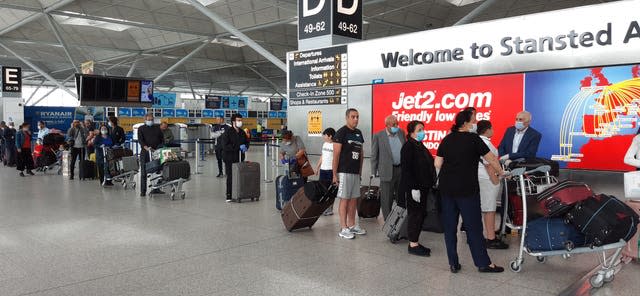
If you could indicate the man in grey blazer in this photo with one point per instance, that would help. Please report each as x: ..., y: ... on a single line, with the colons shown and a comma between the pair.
x: 385, y: 161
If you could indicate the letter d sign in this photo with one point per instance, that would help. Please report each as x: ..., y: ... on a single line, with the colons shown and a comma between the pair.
x: 347, y: 10
x: 313, y: 11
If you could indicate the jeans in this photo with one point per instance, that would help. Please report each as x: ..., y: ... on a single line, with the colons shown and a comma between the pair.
x: 219, y: 159
x: 469, y: 208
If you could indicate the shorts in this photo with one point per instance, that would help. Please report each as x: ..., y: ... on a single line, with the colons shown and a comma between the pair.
x: 489, y: 195
x: 326, y: 175
x: 349, y: 186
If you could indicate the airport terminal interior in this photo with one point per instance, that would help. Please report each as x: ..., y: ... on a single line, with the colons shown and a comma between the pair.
x: 208, y: 93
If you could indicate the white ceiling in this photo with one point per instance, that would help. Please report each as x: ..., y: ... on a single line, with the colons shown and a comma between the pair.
x: 115, y: 33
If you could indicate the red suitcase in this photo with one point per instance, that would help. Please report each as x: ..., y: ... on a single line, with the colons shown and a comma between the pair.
x: 558, y: 199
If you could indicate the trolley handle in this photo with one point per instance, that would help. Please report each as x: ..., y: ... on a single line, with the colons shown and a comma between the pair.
x: 541, y: 169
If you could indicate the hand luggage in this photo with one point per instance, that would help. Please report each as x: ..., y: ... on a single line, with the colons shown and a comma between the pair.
x: 603, y: 219
x: 632, y: 250
x: 533, y: 163
x: 128, y: 164
x: 88, y: 169
x: 396, y: 225
x: 369, y: 201
x: 320, y: 191
x: 153, y: 166
x: 516, y: 209
x: 304, y: 166
x: 118, y: 152
x: 433, y: 220
x: 551, y: 234
x: 174, y: 170
x: 53, y: 139
x: 245, y: 181
x: 560, y: 198
x: 285, y: 189
x: 301, y: 212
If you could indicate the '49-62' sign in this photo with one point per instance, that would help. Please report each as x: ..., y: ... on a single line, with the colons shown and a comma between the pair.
x: 326, y: 17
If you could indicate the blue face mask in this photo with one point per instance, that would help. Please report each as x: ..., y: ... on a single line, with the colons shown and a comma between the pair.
x: 395, y: 130
x: 420, y: 136
x: 519, y: 125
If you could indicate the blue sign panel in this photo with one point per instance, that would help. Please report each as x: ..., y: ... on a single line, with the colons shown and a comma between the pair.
x: 218, y: 113
x: 124, y: 112
x: 282, y: 114
x: 182, y: 113
x: 244, y: 114
x: 207, y: 113
x: 168, y: 113
x: 164, y: 100
x: 59, y: 118
x: 138, y: 112
x: 273, y: 114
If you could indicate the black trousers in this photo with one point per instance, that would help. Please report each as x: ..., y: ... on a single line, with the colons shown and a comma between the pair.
x: 227, y: 169
x: 416, y: 212
x: 469, y: 208
x: 25, y: 160
x: 144, y: 159
x: 219, y: 159
x: 75, y: 153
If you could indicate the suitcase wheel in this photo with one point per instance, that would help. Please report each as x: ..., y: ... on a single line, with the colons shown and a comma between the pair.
x: 541, y: 259
x: 183, y: 195
x: 173, y: 196
x: 569, y: 245
x: 393, y: 240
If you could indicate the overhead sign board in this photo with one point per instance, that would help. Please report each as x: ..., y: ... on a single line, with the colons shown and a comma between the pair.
x: 347, y: 18
x: 314, y: 18
x: 11, y: 79
x: 316, y: 76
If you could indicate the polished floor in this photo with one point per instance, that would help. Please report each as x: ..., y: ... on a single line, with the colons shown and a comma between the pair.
x: 61, y: 237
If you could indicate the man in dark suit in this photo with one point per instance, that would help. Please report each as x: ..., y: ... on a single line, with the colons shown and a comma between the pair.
x: 521, y: 140
x: 385, y: 162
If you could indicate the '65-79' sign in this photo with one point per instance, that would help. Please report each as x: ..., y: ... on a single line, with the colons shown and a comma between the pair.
x: 11, y: 79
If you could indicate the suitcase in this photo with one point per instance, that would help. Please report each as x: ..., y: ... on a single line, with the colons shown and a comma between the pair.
x: 552, y: 234
x: 320, y: 191
x: 53, y: 139
x: 533, y: 163
x: 632, y: 250
x: 559, y: 199
x: 246, y: 181
x: 396, y: 225
x: 118, y: 152
x: 128, y: 164
x: 285, y: 189
x: 301, y: 212
x: 174, y: 170
x: 88, y: 169
x: 369, y: 201
x: 603, y: 219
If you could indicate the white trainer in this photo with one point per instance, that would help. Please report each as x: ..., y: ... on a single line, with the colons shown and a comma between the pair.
x: 346, y: 234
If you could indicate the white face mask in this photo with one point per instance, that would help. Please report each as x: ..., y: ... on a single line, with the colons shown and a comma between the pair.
x: 110, y: 124
x: 149, y: 122
x: 238, y: 124
x: 104, y: 132
x: 474, y: 128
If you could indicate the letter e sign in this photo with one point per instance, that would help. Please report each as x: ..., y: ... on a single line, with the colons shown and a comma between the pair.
x: 11, y: 79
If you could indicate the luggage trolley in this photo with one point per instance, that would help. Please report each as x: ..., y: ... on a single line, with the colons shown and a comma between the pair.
x: 606, y: 272
x: 157, y: 182
x: 123, y: 170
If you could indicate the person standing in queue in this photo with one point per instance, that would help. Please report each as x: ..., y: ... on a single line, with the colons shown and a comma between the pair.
x: 385, y: 162
x: 233, y: 142
x: 150, y: 138
x: 76, y: 138
x: 23, y: 145
x: 217, y: 131
x: 323, y: 168
x: 418, y: 177
x: 101, y: 142
x: 457, y: 162
x: 348, y: 157
x: 116, y: 132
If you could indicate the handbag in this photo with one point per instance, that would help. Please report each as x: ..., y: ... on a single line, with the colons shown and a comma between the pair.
x: 433, y: 219
x: 304, y: 165
x: 632, y: 185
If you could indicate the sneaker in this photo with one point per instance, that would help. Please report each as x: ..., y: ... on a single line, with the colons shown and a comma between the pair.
x: 357, y: 230
x: 143, y: 194
x: 21, y: 174
x: 328, y: 212
x: 220, y: 175
x: 496, y: 244
x: 30, y: 172
x: 346, y: 233
x: 419, y: 250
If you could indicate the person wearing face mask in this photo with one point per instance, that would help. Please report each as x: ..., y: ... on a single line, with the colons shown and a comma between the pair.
x: 521, y: 140
x: 23, y: 145
x: 233, y: 141
x: 150, y: 138
x: 292, y: 148
x: 42, y: 130
x: 117, y: 132
x: 474, y: 119
x: 103, y: 141
x: 457, y: 161
x: 417, y: 178
x: 490, y: 189
x: 385, y: 162
x: 76, y: 138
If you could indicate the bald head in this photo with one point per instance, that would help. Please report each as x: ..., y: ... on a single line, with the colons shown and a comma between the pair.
x: 391, y: 121
x: 525, y: 118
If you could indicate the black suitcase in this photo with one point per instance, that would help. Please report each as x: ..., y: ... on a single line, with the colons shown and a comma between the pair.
x: 174, y: 170
x: 285, y: 189
x: 603, y: 219
x: 88, y: 169
x: 369, y: 201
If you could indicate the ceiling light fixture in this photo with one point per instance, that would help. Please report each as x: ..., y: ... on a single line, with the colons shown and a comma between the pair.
x: 460, y: 3
x: 203, y: 2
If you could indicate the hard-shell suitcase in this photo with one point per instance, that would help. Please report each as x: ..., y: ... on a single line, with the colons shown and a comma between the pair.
x: 301, y: 212
x: 603, y: 219
x: 174, y: 170
x: 245, y: 181
x: 285, y: 189
x: 633, y: 246
x: 551, y: 234
x: 128, y: 164
x: 369, y: 201
x: 560, y: 198
x: 396, y: 225
x: 88, y: 169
